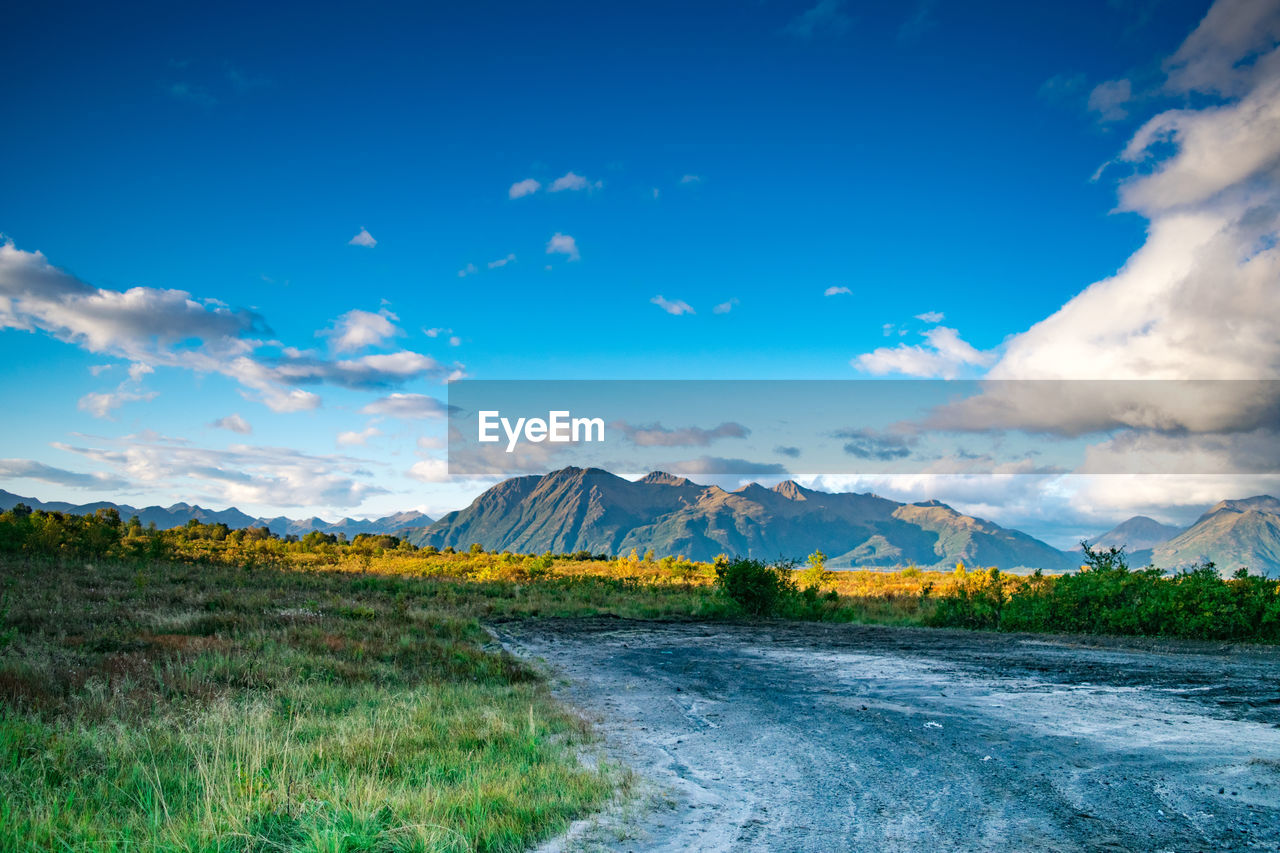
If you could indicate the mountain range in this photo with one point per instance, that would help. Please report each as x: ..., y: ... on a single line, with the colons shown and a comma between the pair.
x: 180, y: 513
x: 589, y: 509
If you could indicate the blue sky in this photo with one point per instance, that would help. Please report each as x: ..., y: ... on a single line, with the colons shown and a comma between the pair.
x: 932, y: 159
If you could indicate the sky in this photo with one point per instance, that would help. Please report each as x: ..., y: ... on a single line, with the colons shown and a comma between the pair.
x: 246, y: 247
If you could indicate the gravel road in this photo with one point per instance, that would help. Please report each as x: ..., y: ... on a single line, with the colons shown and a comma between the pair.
x: 781, y: 737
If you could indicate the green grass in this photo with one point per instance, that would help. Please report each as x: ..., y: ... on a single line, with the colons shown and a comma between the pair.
x: 181, y: 707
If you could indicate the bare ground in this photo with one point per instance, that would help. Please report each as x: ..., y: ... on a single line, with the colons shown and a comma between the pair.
x: 787, y: 736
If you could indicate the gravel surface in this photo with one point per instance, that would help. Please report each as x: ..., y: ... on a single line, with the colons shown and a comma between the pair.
x: 786, y: 736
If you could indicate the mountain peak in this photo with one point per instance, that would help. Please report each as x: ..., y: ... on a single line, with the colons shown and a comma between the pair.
x: 1258, y: 503
x: 1137, y: 534
x: 791, y: 490
x: 662, y: 478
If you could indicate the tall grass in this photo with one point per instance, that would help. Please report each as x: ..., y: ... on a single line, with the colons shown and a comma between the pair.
x: 173, y: 707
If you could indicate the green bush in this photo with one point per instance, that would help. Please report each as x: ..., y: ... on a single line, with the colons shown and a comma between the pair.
x: 759, y: 588
x: 1107, y: 597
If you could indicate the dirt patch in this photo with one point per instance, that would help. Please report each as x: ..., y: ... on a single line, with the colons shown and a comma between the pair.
x: 812, y: 737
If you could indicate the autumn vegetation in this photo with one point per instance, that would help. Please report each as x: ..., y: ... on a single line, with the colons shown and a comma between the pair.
x: 203, y: 688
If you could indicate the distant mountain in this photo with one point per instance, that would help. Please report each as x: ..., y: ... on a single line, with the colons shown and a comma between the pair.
x: 1232, y: 534
x: 180, y: 513
x: 590, y: 509
x: 1138, y: 536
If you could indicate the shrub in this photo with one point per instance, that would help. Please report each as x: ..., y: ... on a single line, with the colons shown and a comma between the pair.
x: 759, y: 588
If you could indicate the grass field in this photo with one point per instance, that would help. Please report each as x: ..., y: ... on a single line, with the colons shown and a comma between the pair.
x: 183, y: 707
x: 200, y: 690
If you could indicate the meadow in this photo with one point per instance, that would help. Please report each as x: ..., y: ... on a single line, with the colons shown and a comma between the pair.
x: 211, y: 689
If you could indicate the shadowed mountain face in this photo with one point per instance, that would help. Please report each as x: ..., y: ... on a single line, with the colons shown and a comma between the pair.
x: 180, y: 513
x: 1231, y: 534
x: 589, y: 509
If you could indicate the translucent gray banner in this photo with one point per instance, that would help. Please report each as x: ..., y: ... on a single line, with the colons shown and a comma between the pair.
x: 501, y: 428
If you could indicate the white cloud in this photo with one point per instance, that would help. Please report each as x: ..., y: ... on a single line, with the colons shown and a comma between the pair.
x: 137, y: 370
x: 430, y: 471
x: 502, y: 262
x: 292, y: 400
x: 825, y: 18
x: 1110, y: 99
x: 437, y: 332
x: 233, y: 422
x: 241, y: 474
x: 837, y: 290
x: 675, y: 307
x: 170, y: 328
x: 430, y: 442
x: 725, y: 307
x: 1230, y: 50
x: 1198, y: 299
x: 364, y: 238
x: 102, y: 404
x: 469, y: 269
x: 689, y: 179
x: 357, y: 439
x: 356, y: 330
x: 570, y: 181
x: 563, y: 244
x: 523, y: 188
x: 32, y: 470
x: 454, y: 341
x: 931, y: 317
x: 944, y: 356
x: 406, y: 406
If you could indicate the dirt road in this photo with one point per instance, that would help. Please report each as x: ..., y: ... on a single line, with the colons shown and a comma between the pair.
x: 807, y: 737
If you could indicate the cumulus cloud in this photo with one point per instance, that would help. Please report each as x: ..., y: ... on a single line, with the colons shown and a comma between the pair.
x: 563, y: 244
x: 931, y: 317
x: 837, y: 290
x: 675, y: 307
x: 430, y: 471
x: 657, y: 435
x: 101, y: 404
x: 31, y: 470
x: 234, y: 423
x: 520, y: 189
x: 351, y: 438
x: 725, y: 307
x: 826, y: 18
x: 357, y: 330
x: 364, y: 238
x: 945, y: 355
x: 570, y: 181
x: 869, y: 444
x: 374, y: 371
x: 407, y: 406
x: 1198, y: 298
x: 170, y: 328
x: 1110, y: 100
x: 241, y: 474
x: 1230, y: 51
